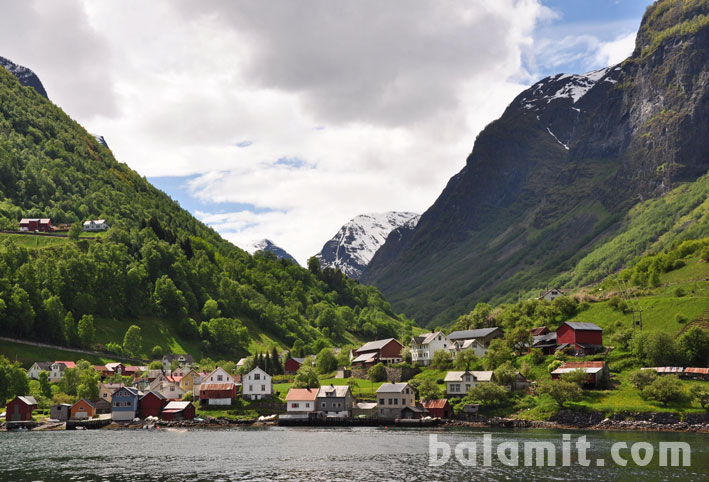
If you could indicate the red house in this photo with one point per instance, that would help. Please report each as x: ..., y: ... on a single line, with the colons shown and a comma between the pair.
x: 438, y: 408
x: 585, y: 338
x: 386, y: 351
x: 20, y: 409
x: 178, y: 411
x: 151, y: 404
x: 217, y: 393
x: 36, y: 224
x: 292, y: 365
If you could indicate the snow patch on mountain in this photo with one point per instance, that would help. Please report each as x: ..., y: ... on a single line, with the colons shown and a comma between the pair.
x: 565, y: 86
x: 354, y: 245
x: 268, y: 245
x: 24, y: 75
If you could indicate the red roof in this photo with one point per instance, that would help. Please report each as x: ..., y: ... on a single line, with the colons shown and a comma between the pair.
x: 100, y: 368
x: 542, y: 330
x: 302, y: 394
x: 699, y: 371
x: 439, y: 403
x: 215, y: 386
x: 583, y: 364
x: 69, y: 364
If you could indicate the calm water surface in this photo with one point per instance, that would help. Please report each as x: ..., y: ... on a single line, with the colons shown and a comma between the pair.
x: 367, y: 454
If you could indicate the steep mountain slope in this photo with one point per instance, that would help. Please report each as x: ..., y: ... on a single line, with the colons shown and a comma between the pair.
x: 24, y: 75
x: 354, y: 245
x: 558, y: 172
x: 157, y: 262
x: 270, y: 246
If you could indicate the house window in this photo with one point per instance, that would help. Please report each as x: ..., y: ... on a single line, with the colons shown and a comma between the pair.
x: 467, y: 387
x: 263, y: 388
x: 381, y: 401
x: 390, y: 402
x: 251, y: 388
x: 293, y: 405
x: 219, y: 378
x: 307, y: 405
x: 396, y: 401
x: 257, y: 376
x: 322, y: 405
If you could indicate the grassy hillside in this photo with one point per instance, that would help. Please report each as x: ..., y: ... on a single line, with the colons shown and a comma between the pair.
x: 159, y: 268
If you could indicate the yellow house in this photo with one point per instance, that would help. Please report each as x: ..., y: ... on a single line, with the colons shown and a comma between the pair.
x: 191, y: 381
x: 105, y: 390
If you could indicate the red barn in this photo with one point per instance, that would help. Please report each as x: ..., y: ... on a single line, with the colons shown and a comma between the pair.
x: 36, y: 224
x: 385, y: 351
x: 438, y: 408
x: 292, y: 365
x: 151, y: 404
x: 217, y: 393
x: 20, y: 409
x: 597, y: 371
x: 178, y: 411
x: 585, y: 338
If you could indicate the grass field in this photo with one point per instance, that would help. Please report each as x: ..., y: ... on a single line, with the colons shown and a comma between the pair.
x: 154, y: 332
x: 365, y: 389
x: 27, y: 354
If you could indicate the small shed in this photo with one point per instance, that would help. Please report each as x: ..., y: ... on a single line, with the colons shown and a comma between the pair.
x: 413, y: 413
x: 83, y: 409
x: 61, y: 412
x: 102, y: 406
x: 364, y: 409
x: 20, y: 409
x: 178, y: 411
x: 439, y: 408
x: 151, y: 404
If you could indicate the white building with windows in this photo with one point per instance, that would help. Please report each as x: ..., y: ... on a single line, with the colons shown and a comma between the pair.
x: 256, y: 385
x: 95, y: 225
x: 301, y: 400
x: 424, y: 346
x: 458, y: 383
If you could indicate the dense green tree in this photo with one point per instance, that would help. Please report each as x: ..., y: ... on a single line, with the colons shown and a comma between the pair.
x: 210, y: 310
x: 665, y: 389
x: 86, y: 331
x: 560, y: 391
x: 577, y: 376
x: 701, y: 394
x: 306, y: 377
x: 44, y: 385
x: 377, y: 373
x: 442, y: 360
x: 642, y: 378
x: 428, y: 390
x: 488, y: 394
x: 326, y: 361
x: 497, y: 353
x: 133, y: 340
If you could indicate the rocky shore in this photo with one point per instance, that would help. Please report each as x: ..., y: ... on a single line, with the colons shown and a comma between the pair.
x: 568, y: 419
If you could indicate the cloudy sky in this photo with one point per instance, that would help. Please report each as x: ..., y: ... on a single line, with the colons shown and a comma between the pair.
x: 284, y: 119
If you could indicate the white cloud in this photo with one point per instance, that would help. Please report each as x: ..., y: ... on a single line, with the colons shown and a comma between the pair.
x: 381, y: 101
x: 614, y: 52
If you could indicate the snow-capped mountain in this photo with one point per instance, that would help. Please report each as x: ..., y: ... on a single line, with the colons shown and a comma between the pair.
x: 268, y: 245
x: 24, y: 75
x: 354, y: 245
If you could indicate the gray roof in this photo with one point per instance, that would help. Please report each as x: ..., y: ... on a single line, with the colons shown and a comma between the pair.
x: 392, y: 387
x: 154, y: 392
x: 481, y: 376
x: 577, y: 325
x: 44, y: 365
x: 176, y: 356
x: 339, y: 390
x: 375, y: 345
x: 28, y: 399
x: 467, y: 334
x: 544, y: 338
x: 299, y: 360
x: 177, y: 405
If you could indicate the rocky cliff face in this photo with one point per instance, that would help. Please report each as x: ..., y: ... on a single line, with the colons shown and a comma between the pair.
x: 24, y: 75
x: 354, y: 245
x: 555, y: 173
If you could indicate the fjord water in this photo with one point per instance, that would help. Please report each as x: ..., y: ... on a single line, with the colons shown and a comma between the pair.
x: 314, y: 454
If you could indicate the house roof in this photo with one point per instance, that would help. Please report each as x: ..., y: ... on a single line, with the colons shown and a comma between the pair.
x: 577, y: 325
x: 366, y: 405
x: 43, y: 365
x: 365, y: 357
x: 436, y: 403
x: 426, y: 338
x: 131, y: 390
x: 699, y: 371
x: 467, y: 334
x: 375, y: 345
x: 242, y: 361
x: 338, y: 390
x: 583, y: 364
x: 87, y: 402
x: 302, y: 394
x: 481, y: 376
x: 28, y: 399
x: 544, y: 293
x: 61, y: 405
x: 68, y: 364
x: 541, y: 339
x: 177, y: 356
x: 155, y: 393
x: 666, y: 369
x: 216, y: 386
x: 540, y: 330
x: 299, y: 360
x: 392, y: 387
x: 561, y: 370
x: 176, y: 406
x: 415, y: 409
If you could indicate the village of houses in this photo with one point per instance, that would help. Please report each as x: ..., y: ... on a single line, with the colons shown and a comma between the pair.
x: 180, y: 393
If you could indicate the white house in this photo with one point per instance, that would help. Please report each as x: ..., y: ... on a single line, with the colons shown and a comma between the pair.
x: 424, y: 346
x: 95, y: 225
x: 550, y: 295
x: 473, y: 345
x: 458, y: 383
x: 57, y: 370
x: 477, y: 339
x: 168, y: 386
x: 218, y: 375
x: 256, y: 385
x: 37, y: 368
x: 301, y: 400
